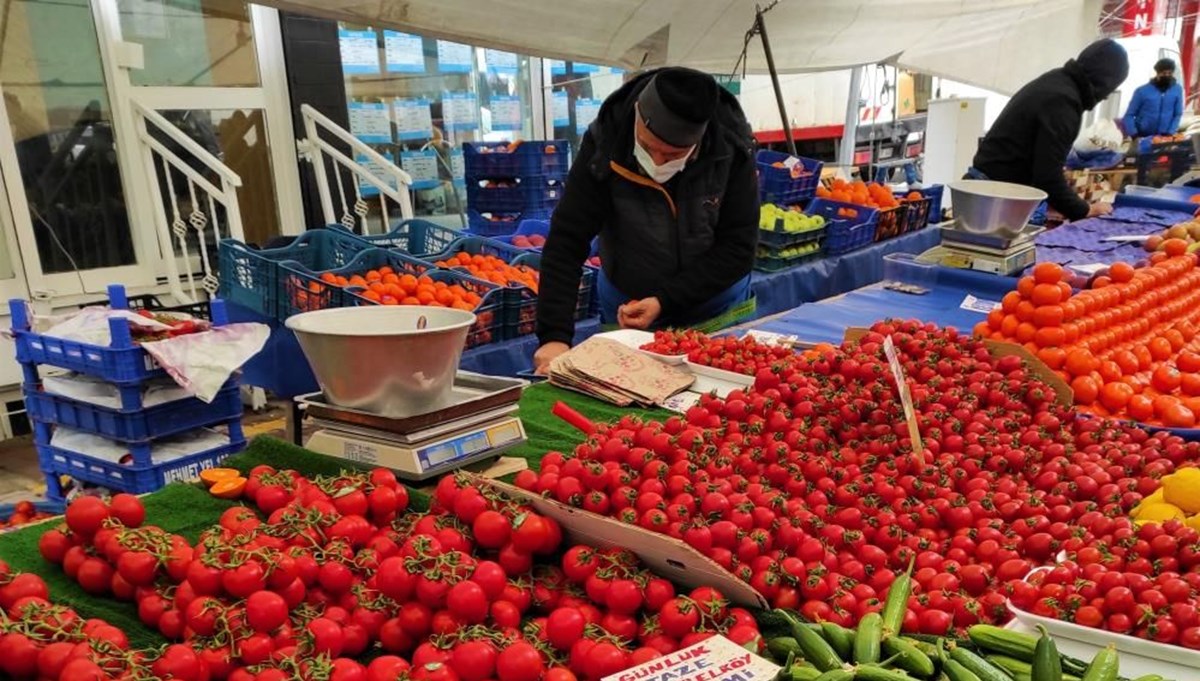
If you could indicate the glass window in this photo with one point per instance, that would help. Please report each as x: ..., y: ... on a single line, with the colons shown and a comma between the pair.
x: 59, y: 115
x: 191, y: 42
x: 416, y: 100
x: 576, y: 92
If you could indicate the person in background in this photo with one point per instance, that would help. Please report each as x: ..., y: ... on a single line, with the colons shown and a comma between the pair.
x: 1031, y: 138
x: 666, y: 177
x: 1156, y: 106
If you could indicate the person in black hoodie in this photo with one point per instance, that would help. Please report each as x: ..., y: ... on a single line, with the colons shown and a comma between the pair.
x: 666, y: 177
x: 1030, y: 140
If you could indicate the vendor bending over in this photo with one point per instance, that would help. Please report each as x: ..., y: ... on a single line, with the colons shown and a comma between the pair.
x: 1031, y: 138
x: 665, y: 176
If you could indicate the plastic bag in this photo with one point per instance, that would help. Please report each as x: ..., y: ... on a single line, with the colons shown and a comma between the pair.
x: 1103, y: 135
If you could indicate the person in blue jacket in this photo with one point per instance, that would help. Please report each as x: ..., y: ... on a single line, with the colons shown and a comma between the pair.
x: 1157, y: 106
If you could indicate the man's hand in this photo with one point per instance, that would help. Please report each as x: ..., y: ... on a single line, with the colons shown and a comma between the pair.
x: 639, y: 314
x: 1098, y: 209
x: 545, y: 355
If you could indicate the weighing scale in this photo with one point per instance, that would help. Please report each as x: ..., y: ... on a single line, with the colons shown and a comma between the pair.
x: 479, y: 425
x: 989, y: 253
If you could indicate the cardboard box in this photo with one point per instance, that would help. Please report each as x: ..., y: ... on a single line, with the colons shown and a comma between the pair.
x: 665, y: 556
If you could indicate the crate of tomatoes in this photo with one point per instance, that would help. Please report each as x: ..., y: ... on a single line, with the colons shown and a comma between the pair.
x: 387, y: 277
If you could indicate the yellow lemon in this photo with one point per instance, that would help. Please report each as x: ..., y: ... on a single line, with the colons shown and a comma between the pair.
x: 1156, y: 497
x: 1159, y: 512
x: 1193, y: 522
x: 1182, y: 489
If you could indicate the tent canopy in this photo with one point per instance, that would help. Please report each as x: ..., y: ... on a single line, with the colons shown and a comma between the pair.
x: 996, y: 44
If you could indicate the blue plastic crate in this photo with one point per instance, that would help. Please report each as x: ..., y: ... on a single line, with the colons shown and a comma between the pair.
x: 527, y: 228
x: 307, y: 291
x: 532, y: 157
x: 501, y: 223
x: 521, y: 315
x: 250, y: 277
x: 478, y: 245
x: 120, y: 362
x: 778, y: 186
x: 134, y: 425
x: 416, y: 237
x: 844, y: 234
x: 768, y: 263
x: 132, y: 478
x: 920, y: 214
x: 538, y: 193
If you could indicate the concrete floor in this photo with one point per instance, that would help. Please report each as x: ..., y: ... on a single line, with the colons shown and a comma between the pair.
x: 21, y: 478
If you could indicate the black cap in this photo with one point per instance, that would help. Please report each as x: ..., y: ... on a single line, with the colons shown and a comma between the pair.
x: 1164, y: 64
x: 677, y: 104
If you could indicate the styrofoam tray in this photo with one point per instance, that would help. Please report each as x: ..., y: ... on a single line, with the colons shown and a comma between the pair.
x: 719, y: 381
x: 635, y: 339
x: 1158, y: 653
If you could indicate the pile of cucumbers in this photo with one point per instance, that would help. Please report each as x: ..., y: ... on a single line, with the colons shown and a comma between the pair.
x: 876, y: 651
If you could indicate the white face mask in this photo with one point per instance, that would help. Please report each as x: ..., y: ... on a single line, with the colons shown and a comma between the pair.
x: 660, y: 173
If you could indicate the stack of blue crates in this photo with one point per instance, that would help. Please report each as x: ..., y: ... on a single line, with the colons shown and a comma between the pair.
x: 128, y: 367
x: 507, y: 184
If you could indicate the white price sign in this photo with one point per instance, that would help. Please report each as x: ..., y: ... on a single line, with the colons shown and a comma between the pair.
x: 714, y: 659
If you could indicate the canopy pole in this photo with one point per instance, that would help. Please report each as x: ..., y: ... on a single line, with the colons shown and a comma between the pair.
x: 761, y: 26
x: 850, y: 129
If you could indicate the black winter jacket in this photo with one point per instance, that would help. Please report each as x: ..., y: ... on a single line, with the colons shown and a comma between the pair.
x: 1031, y: 138
x: 684, y: 241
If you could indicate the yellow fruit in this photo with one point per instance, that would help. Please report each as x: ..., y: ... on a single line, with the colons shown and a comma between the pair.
x: 1156, y: 497
x: 1193, y: 522
x: 1182, y: 488
x: 1159, y: 512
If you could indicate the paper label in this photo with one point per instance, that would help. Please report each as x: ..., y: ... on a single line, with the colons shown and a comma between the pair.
x: 1089, y: 269
x: 506, y: 112
x: 365, y: 188
x: 500, y: 62
x: 454, y: 57
x: 413, y: 119
x: 978, y: 304
x: 360, y: 52
x: 771, y: 338
x: 714, y: 659
x: 681, y: 402
x: 404, y: 52
x: 458, y: 165
x: 586, y: 111
x: 423, y: 166
x: 371, y: 122
x: 910, y: 415
x: 459, y: 111
x: 790, y: 162
x: 560, y: 108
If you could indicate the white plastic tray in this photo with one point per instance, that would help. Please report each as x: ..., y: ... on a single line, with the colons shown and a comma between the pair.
x: 1187, y: 660
x: 719, y: 381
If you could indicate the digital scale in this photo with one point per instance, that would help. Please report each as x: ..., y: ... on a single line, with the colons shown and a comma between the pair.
x: 989, y: 253
x: 479, y: 425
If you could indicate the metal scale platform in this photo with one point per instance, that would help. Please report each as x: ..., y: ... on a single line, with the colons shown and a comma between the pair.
x: 990, y: 253
x: 479, y: 424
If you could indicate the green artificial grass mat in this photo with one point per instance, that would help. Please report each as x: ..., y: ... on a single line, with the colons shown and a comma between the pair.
x: 188, y: 509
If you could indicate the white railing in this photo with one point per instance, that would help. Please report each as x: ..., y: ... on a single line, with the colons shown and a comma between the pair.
x: 184, y: 215
x: 391, y: 181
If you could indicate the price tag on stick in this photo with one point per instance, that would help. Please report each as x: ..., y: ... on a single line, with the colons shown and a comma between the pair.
x: 910, y: 415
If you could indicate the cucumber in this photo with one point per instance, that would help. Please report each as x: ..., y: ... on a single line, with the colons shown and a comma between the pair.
x: 1010, y: 664
x: 867, y: 639
x: 1047, y: 665
x: 895, y: 606
x: 997, y: 640
x: 907, y: 656
x: 836, y: 675
x: 781, y: 646
x: 873, y: 672
x: 956, y: 672
x: 841, y: 638
x: 799, y: 672
x: 816, y: 650
x: 1104, y: 665
x: 977, y: 665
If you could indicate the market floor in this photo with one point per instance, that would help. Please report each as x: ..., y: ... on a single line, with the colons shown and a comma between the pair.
x: 21, y: 478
